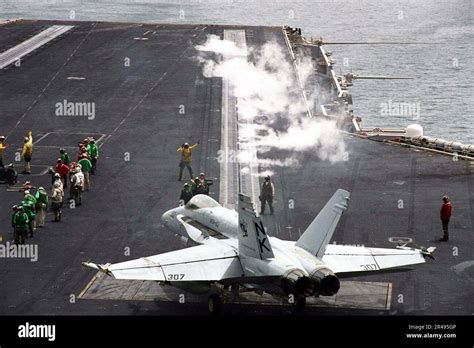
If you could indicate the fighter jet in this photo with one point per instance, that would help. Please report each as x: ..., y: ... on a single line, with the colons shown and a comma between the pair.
x: 235, y: 253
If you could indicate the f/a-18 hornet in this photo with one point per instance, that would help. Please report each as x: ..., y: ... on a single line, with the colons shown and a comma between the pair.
x: 236, y: 254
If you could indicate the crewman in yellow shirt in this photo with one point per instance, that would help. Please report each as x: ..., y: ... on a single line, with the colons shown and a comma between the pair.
x: 186, y: 158
x: 3, y: 146
x: 27, y: 152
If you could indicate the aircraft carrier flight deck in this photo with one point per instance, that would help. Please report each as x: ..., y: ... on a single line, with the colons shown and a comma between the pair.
x: 141, y: 77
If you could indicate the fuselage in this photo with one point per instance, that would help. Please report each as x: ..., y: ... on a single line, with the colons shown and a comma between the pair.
x: 289, y: 260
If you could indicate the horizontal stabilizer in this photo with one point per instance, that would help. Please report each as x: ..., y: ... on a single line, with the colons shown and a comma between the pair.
x: 199, y: 263
x: 351, y: 259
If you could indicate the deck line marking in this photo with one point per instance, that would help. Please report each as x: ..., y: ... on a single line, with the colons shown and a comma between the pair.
x: 33, y: 43
x: 52, y: 79
x: 129, y: 113
x: 141, y: 100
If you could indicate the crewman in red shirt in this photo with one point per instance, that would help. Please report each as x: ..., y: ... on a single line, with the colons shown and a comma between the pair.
x: 445, y: 215
x: 62, y: 170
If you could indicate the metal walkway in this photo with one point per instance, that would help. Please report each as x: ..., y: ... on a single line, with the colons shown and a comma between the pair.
x: 13, y: 54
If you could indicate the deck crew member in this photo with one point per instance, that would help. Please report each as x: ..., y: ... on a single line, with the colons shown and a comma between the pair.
x: 21, y: 222
x: 27, y: 152
x: 63, y: 170
x: 77, y: 185
x: 195, y: 185
x: 93, y: 151
x: 445, y: 215
x: 11, y: 175
x: 57, y: 179
x: 14, y: 225
x: 186, y: 193
x: 29, y: 209
x: 71, y: 173
x: 3, y: 146
x: 186, y: 158
x: 41, y: 205
x: 65, y: 157
x: 86, y: 168
x: 82, y: 153
x: 57, y: 197
x: 266, y: 195
x: 202, y: 185
x: 27, y: 186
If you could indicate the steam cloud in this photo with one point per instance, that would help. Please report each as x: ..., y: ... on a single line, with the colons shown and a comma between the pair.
x: 272, y: 112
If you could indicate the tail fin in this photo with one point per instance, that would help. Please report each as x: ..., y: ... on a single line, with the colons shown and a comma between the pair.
x: 253, y: 239
x: 320, y: 231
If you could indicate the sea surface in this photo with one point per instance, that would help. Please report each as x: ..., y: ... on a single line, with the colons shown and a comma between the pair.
x: 440, y: 93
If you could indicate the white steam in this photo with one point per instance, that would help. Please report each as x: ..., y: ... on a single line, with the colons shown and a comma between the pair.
x: 272, y: 112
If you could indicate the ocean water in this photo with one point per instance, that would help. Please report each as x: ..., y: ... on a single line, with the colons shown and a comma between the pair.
x: 440, y: 93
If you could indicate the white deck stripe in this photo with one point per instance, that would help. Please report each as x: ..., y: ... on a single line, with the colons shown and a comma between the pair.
x: 13, y: 54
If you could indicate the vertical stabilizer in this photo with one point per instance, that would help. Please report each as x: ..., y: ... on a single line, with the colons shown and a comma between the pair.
x: 320, y: 231
x: 253, y: 239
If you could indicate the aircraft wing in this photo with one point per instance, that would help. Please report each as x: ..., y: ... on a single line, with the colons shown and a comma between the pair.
x: 199, y: 263
x: 350, y: 259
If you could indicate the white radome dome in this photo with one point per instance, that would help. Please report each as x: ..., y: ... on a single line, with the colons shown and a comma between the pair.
x: 414, y: 130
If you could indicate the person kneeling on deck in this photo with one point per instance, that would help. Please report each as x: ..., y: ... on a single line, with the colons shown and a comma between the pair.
x: 57, y: 196
x: 186, y: 158
x: 41, y: 206
x: 11, y: 175
x: 266, y: 195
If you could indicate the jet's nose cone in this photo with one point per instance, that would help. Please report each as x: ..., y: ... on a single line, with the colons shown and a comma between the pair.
x: 166, y: 218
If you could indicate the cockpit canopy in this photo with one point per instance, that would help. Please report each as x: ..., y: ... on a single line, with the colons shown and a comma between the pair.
x: 201, y: 201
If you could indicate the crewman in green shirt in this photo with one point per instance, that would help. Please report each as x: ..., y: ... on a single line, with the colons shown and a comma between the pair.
x: 21, y: 222
x: 29, y: 209
x: 65, y: 157
x: 86, y: 167
x: 93, y: 151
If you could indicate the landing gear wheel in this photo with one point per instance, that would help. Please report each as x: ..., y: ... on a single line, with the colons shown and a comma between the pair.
x: 300, y: 304
x: 215, y: 304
